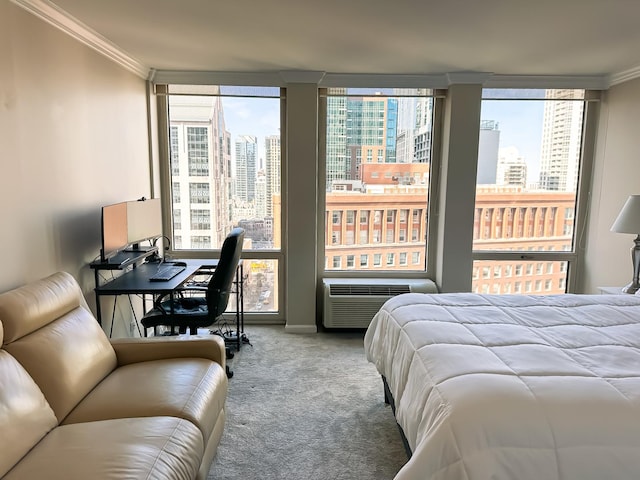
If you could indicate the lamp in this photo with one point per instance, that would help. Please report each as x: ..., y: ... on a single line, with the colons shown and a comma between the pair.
x: 628, y: 221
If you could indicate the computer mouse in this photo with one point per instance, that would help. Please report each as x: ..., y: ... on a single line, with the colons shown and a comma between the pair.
x: 179, y: 264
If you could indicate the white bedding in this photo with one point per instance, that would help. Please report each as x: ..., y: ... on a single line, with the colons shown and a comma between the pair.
x: 513, y: 387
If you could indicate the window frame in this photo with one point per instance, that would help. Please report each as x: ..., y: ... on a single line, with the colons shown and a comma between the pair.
x: 574, y: 257
x: 427, y: 261
x: 162, y: 92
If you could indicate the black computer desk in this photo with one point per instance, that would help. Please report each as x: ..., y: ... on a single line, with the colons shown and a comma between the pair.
x: 135, y: 281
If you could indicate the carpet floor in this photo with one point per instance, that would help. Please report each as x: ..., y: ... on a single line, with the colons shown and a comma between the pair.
x: 306, y: 407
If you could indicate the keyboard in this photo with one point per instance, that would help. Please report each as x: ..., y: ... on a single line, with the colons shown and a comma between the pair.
x: 166, y: 272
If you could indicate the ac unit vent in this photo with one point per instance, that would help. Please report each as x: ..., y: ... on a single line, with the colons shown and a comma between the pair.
x: 352, y: 303
x: 360, y: 289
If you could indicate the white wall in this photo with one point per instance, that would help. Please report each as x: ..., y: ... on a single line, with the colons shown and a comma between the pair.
x: 73, y: 137
x: 616, y: 176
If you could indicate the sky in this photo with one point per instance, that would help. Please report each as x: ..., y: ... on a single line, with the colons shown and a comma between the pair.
x: 259, y: 117
x: 520, y: 124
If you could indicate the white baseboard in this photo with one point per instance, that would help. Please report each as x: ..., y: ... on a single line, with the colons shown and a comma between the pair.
x: 301, y: 329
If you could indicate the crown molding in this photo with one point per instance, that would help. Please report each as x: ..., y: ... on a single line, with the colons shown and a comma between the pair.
x: 624, y: 76
x: 54, y: 15
x: 372, y: 80
x: 198, y: 77
x: 362, y: 80
x: 587, y: 82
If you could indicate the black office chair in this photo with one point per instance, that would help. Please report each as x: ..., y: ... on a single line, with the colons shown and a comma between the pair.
x: 193, y: 307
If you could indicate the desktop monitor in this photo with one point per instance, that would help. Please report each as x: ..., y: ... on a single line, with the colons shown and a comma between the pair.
x: 125, y: 225
x: 144, y: 222
x: 114, y: 230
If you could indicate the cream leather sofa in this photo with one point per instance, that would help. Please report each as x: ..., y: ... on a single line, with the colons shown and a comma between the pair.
x: 74, y: 405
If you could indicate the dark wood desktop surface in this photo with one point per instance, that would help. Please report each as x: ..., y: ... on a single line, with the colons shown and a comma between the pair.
x: 137, y: 280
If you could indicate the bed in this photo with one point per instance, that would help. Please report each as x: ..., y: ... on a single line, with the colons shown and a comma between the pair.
x: 513, y: 386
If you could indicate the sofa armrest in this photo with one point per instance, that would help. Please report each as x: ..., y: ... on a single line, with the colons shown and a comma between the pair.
x: 134, y: 350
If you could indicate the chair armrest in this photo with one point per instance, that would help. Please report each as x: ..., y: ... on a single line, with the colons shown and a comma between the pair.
x: 134, y: 350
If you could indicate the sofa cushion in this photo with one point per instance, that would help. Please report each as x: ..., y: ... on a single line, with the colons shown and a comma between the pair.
x: 191, y: 388
x: 44, y: 319
x: 147, y: 448
x: 25, y: 415
x: 29, y: 307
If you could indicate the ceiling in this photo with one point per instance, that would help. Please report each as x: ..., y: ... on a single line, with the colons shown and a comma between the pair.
x: 412, y: 37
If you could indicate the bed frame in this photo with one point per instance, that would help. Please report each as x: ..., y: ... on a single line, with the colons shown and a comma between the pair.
x: 388, y: 399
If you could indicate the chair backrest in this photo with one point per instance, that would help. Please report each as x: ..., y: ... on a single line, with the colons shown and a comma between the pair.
x: 220, y: 284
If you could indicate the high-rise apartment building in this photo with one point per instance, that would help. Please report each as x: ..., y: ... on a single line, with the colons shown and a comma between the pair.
x: 512, y: 168
x: 260, y: 200
x: 272, y: 170
x: 337, y: 158
x: 488, y: 144
x: 371, y: 132
x: 423, y: 128
x: 561, y: 133
x: 246, y: 158
x: 200, y: 171
x: 406, y: 126
x: 360, y: 129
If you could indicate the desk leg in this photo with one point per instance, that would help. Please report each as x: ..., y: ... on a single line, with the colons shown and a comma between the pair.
x: 238, y: 282
x: 241, y: 299
x: 133, y: 312
x: 96, y: 279
x: 113, y: 315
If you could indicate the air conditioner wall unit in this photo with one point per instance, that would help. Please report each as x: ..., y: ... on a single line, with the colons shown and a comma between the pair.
x: 352, y: 303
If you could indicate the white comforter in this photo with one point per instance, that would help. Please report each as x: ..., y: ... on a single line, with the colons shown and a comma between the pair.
x: 513, y: 387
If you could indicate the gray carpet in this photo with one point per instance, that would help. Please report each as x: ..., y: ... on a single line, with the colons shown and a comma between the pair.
x: 306, y: 407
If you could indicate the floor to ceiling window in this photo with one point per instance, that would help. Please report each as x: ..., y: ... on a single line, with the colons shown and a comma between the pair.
x: 378, y: 157
x: 528, y: 187
x: 223, y: 167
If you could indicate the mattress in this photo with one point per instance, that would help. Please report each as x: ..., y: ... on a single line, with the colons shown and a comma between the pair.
x: 513, y: 386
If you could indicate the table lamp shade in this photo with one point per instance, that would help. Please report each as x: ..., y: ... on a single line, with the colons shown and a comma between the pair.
x: 628, y: 220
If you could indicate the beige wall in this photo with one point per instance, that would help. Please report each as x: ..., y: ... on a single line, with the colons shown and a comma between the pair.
x: 616, y: 176
x: 454, y: 264
x: 73, y: 137
x: 300, y: 205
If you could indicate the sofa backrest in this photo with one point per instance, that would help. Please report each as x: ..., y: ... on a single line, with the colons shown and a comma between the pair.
x: 25, y: 415
x: 50, y: 330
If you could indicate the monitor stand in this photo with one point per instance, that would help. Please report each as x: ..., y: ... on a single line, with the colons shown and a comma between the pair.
x: 124, y: 258
x: 135, y: 248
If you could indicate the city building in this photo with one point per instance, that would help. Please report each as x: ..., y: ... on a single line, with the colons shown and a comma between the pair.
x: 377, y: 229
x: 511, y: 168
x: 368, y: 230
x: 488, y: 145
x: 562, y: 127
x: 423, y: 127
x: 245, y: 159
x: 273, y: 166
x: 200, y: 159
x: 405, y: 138
x: 260, y: 201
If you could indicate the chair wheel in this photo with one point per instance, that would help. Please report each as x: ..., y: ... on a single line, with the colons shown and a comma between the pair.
x: 229, y: 372
x: 229, y: 354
